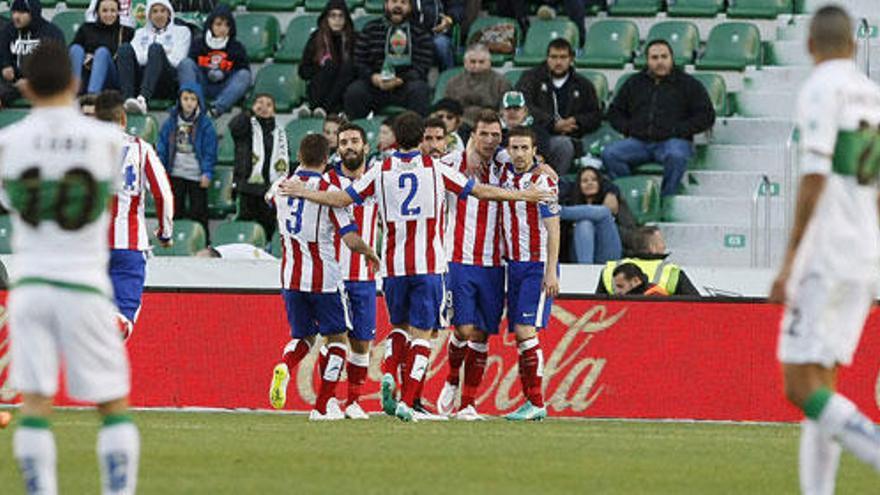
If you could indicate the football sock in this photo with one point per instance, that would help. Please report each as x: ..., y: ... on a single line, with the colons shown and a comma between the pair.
x: 294, y: 352
x: 819, y: 457
x: 839, y: 418
x: 531, y: 370
x: 357, y: 375
x: 330, y: 376
x: 417, y: 367
x: 456, y: 350
x: 474, y: 367
x: 395, y: 351
x: 34, y: 448
x: 322, y: 360
x: 118, y: 454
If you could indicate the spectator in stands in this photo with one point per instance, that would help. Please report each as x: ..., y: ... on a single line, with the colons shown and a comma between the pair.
x: 387, y: 143
x: 650, y: 256
x: 393, y: 57
x: 126, y: 18
x: 261, y: 157
x: 591, y: 212
x: 438, y: 17
x: 328, y: 61
x: 434, y: 141
x: 518, y: 9
x: 330, y: 130
x: 187, y: 146
x: 478, y: 87
x: 152, y: 57
x: 449, y: 111
x: 218, y: 62
x: 576, y: 10
x: 630, y: 280
x: 658, y: 110
x: 93, y: 51
x: 563, y: 104
x: 87, y: 104
x: 18, y: 39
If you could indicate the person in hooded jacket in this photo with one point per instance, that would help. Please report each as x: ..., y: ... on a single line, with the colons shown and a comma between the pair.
x: 152, y: 57
x: 218, y: 62
x: 19, y: 38
x: 94, y: 48
x: 328, y: 60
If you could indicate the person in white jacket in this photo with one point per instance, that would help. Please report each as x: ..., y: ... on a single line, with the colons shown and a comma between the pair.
x: 152, y: 57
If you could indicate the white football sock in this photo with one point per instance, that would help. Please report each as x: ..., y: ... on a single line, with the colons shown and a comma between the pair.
x: 119, y: 447
x: 844, y: 422
x: 819, y: 457
x: 34, y: 449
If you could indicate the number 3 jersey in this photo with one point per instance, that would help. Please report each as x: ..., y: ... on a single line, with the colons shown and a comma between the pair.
x: 58, y: 170
x: 308, y: 230
x: 838, y: 112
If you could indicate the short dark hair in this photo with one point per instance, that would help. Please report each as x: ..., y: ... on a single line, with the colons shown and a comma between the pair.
x: 409, y: 127
x: 109, y: 106
x: 433, y: 122
x: 313, y: 150
x: 348, y: 126
x: 831, y: 30
x: 47, y: 68
x: 336, y: 119
x: 449, y: 105
x: 560, y: 44
x: 487, y: 116
x: 523, y: 131
x: 643, y: 238
x: 265, y: 95
x: 630, y: 271
x: 87, y: 99
x: 660, y: 41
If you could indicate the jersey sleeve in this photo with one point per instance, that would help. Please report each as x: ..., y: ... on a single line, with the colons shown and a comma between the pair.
x: 366, y: 186
x: 548, y: 208
x: 160, y: 188
x: 342, y: 218
x: 454, y: 181
x: 817, y: 128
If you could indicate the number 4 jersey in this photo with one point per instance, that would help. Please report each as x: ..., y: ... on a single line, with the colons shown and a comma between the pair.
x: 58, y: 170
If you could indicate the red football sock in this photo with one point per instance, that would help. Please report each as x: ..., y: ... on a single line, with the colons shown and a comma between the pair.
x: 531, y: 370
x: 294, y: 352
x: 474, y: 368
x: 456, y: 350
x: 417, y: 366
x: 331, y: 375
x: 322, y: 360
x: 357, y: 375
x: 395, y: 351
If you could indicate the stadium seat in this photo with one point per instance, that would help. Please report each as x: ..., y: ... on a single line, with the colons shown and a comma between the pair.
x: 298, y: 128
x: 225, y: 148
x: 236, y: 232
x: 444, y: 78
x: 694, y: 8
x: 77, y: 4
x: 68, y: 22
x: 318, y: 5
x: 610, y: 44
x: 296, y: 37
x: 258, y: 33
x: 717, y: 89
x: 275, y: 244
x: 5, y: 234
x: 595, y: 141
x: 282, y: 82
x: 642, y: 195
x: 190, y: 19
x: 731, y: 46
x: 540, y: 34
x: 481, y: 23
x: 273, y: 5
x: 220, y: 203
x: 160, y: 104
x: 600, y: 83
x: 11, y: 116
x: 374, y: 6
x: 362, y: 21
x: 635, y: 7
x: 682, y: 36
x: 759, y: 9
x: 189, y: 238
x: 371, y: 128
x: 143, y: 126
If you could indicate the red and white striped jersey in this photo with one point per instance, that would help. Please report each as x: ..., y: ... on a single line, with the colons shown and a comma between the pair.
x: 524, y: 230
x: 141, y: 172
x: 473, y: 231
x: 354, y: 265
x: 308, y: 251
x: 411, y: 191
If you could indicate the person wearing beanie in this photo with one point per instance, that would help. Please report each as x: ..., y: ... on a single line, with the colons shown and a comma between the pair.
x: 18, y: 39
x: 328, y: 61
x: 94, y: 48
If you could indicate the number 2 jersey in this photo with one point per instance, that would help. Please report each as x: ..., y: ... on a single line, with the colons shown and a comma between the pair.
x: 58, y: 169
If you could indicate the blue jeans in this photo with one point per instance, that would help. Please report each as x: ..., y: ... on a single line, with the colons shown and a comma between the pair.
x: 443, y: 51
x: 225, y: 93
x: 103, y: 73
x: 595, y: 239
x: 620, y: 156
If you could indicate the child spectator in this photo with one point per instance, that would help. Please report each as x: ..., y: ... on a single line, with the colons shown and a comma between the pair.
x: 328, y: 61
x: 450, y: 112
x: 17, y: 40
x: 330, y: 129
x: 593, y: 216
x: 387, y: 143
x: 94, y: 48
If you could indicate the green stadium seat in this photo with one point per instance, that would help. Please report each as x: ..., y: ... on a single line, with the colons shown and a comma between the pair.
x: 513, y: 75
x: 77, y: 4
x: 68, y: 22
x: 371, y: 128
x: 275, y: 244
x: 232, y: 3
x: 541, y: 33
x: 682, y: 36
x: 297, y: 129
x: 694, y: 8
x: 282, y: 82
x: 318, y: 5
x: 717, y: 89
x: 374, y: 6
x: 258, y: 33
x: 444, y: 78
x: 160, y: 104
x: 757, y: 9
x: 189, y: 238
x: 635, y: 7
x: 481, y: 23
x: 296, y: 37
x: 11, y: 116
x: 236, y: 232
x: 273, y: 5
x: 600, y: 83
x: 225, y: 148
x: 46, y: 4
x: 642, y: 195
x: 731, y: 46
x: 362, y: 21
x: 610, y: 44
x: 595, y: 141
x: 195, y: 19
x: 143, y: 126
x: 5, y: 234
x: 220, y: 203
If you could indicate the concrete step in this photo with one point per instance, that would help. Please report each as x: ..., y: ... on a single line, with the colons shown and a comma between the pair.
x: 732, y: 211
x: 771, y: 78
x: 767, y: 159
x: 720, y: 245
x: 770, y: 104
x: 730, y: 184
x: 789, y: 53
x: 750, y: 131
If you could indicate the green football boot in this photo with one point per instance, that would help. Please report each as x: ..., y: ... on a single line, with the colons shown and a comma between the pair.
x: 528, y: 412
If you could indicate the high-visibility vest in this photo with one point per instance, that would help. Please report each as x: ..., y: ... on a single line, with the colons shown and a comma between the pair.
x: 659, y: 272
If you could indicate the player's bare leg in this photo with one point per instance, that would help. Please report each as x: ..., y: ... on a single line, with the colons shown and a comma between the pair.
x: 531, y: 373
x: 118, y: 448
x: 293, y: 353
x: 357, y: 367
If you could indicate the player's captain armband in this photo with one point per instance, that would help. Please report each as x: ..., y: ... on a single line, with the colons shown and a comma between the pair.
x: 857, y: 154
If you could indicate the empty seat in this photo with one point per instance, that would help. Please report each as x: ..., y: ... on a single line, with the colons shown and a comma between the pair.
x: 143, y: 126
x: 682, y: 36
x: 273, y: 5
x: 374, y: 6
x: 69, y: 21
x: 600, y: 83
x: 642, y: 195
x: 258, y: 33
x: 444, y: 78
x: 296, y: 37
x: 220, y: 203
x: 610, y: 44
x: 694, y: 8
x: 239, y: 232
x: 318, y: 5
x: 275, y: 244
x: 717, y: 90
x: 189, y: 238
x: 371, y: 128
x: 635, y: 7
x: 759, y: 9
x: 732, y: 46
x: 76, y: 4
x: 225, y: 148
x: 297, y: 129
x: 540, y: 34
x: 595, y: 141
x: 282, y: 82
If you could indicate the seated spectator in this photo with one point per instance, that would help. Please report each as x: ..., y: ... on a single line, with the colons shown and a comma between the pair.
x: 18, y: 39
x: 563, y: 104
x: 152, y: 57
x: 261, y: 157
x: 438, y: 17
x: 126, y: 17
x: 650, y: 256
x: 449, y: 112
x: 658, y: 110
x: 592, y: 209
x: 93, y: 51
x: 392, y: 57
x: 187, y: 146
x: 479, y: 87
x: 514, y: 113
x: 434, y: 141
x: 328, y: 61
x: 330, y: 131
x: 218, y: 62
x: 630, y: 280
x: 87, y: 104
x: 387, y: 143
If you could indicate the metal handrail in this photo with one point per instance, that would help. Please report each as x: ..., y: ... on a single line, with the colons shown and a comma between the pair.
x: 768, y: 198
x: 764, y: 184
x: 865, y: 28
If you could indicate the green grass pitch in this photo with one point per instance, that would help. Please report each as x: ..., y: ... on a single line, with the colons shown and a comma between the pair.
x: 230, y: 453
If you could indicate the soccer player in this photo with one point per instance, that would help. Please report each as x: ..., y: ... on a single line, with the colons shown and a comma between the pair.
x: 531, y: 233
x: 411, y: 190
x: 314, y: 295
x: 141, y: 171
x: 829, y: 274
x: 58, y: 170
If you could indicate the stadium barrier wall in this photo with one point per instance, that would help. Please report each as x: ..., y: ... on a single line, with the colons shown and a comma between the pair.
x: 650, y: 359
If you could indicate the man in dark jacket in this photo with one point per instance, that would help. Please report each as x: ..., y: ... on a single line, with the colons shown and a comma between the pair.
x: 393, y: 56
x: 438, y: 17
x: 218, y: 62
x: 19, y: 38
x: 563, y: 104
x: 658, y: 110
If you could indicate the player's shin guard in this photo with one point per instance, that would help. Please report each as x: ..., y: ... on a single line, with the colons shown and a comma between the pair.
x: 331, y: 375
x: 819, y: 457
x: 119, y: 446
x: 456, y: 351
x: 358, y: 365
x: 531, y: 370
x: 33, y: 446
x: 417, y: 367
x: 474, y: 368
x: 395, y: 351
x: 294, y: 352
x: 839, y: 418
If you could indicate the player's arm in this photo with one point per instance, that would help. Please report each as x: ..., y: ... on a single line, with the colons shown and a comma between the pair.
x: 296, y: 188
x: 160, y: 188
x: 357, y: 244
x: 551, y: 279
x: 492, y: 193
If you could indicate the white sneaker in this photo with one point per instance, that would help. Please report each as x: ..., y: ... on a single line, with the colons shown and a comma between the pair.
x: 446, y: 400
x: 422, y: 414
x: 136, y: 105
x: 469, y: 414
x: 354, y: 411
x: 334, y: 413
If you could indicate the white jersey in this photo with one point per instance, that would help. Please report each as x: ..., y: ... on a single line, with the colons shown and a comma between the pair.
x: 524, y: 230
x: 58, y: 169
x: 842, y: 239
x: 141, y: 171
x: 354, y: 265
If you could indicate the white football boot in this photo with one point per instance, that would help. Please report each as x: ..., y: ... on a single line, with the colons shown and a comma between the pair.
x: 446, y: 400
x: 334, y: 413
x: 354, y: 411
x: 469, y: 414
